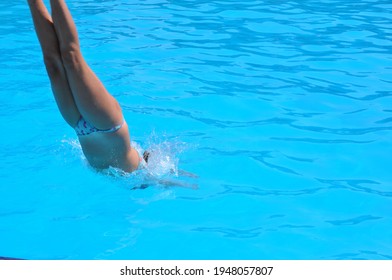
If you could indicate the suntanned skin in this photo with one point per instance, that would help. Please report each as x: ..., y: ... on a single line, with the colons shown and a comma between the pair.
x: 78, y: 91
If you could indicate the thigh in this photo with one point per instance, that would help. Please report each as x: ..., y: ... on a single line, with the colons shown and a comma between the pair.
x: 92, y: 99
x: 61, y: 90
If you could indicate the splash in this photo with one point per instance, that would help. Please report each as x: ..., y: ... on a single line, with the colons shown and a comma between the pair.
x: 163, y: 160
x: 162, y: 168
x: 70, y: 150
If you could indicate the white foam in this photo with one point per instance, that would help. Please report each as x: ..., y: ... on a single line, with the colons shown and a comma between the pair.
x: 163, y: 159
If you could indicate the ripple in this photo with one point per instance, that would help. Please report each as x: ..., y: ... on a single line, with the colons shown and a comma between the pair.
x: 258, y: 191
x: 322, y: 141
x: 354, y: 221
x: 232, y: 233
x: 361, y: 255
x: 356, y: 185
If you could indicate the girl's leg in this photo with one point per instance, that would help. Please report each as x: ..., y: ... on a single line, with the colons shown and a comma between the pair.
x: 95, y: 104
x: 50, y: 48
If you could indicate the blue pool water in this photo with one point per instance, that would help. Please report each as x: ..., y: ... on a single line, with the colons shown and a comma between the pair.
x: 282, y: 108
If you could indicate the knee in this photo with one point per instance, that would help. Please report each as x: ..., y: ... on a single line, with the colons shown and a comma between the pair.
x: 71, y: 56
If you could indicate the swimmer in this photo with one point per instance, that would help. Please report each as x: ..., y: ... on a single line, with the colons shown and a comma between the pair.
x: 82, y: 99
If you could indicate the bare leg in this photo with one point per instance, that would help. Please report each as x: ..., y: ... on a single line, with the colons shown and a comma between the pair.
x: 92, y: 99
x: 50, y: 48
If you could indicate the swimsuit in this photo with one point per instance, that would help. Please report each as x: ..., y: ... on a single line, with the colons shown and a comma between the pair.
x: 83, y: 127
